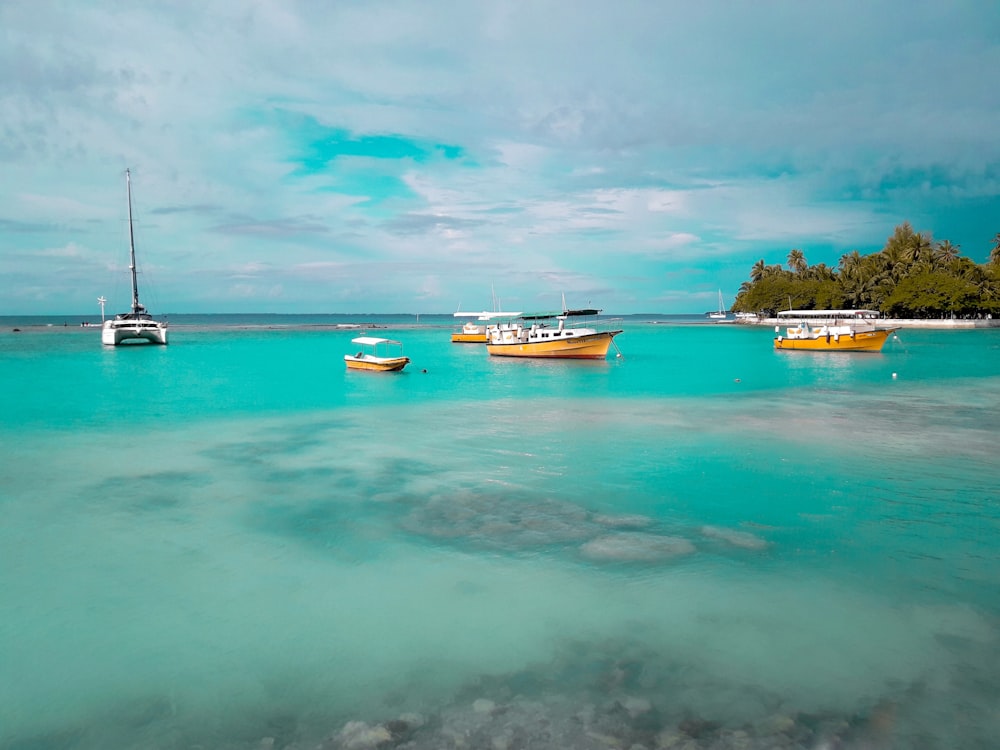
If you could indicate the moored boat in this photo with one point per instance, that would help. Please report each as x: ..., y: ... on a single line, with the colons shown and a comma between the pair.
x: 721, y: 313
x: 474, y: 332
x: 377, y: 355
x: 136, y: 324
x: 535, y: 336
x: 470, y: 333
x: 831, y: 331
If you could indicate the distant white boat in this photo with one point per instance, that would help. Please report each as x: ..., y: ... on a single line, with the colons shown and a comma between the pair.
x: 720, y: 314
x: 137, y: 324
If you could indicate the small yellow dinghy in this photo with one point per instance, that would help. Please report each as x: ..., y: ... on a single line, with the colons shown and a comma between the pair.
x: 377, y: 355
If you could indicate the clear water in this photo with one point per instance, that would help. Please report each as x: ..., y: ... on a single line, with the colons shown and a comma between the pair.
x: 233, y: 538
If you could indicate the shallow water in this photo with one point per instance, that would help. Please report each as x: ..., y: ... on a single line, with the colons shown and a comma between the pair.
x: 232, y: 538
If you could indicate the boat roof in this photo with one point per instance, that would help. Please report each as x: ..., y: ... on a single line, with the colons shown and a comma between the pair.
x: 829, y: 314
x: 372, y: 341
x: 487, y: 315
x: 589, y: 311
x: 540, y: 315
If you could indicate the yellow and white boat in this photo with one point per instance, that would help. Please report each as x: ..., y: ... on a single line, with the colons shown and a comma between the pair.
x: 474, y: 332
x: 530, y: 336
x: 471, y: 333
x: 377, y: 355
x: 831, y: 331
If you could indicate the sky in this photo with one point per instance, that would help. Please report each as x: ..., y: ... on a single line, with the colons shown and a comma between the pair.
x: 424, y: 156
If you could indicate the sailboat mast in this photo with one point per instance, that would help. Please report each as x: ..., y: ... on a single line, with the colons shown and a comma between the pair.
x: 136, y: 307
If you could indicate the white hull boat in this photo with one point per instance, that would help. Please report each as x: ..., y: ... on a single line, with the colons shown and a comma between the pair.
x: 129, y: 328
x: 137, y: 325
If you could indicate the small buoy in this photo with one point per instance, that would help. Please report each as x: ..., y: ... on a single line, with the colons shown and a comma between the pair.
x: 894, y: 376
x: 618, y: 355
x: 737, y: 380
x: 423, y: 371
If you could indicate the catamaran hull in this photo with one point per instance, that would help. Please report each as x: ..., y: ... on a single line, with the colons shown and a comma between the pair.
x: 393, y: 364
x: 589, y: 346
x: 112, y: 335
x: 859, y: 341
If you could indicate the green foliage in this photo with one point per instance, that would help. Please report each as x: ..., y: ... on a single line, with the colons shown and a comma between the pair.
x: 828, y: 295
x: 769, y: 294
x: 931, y: 294
x: 912, y: 276
x: 990, y: 298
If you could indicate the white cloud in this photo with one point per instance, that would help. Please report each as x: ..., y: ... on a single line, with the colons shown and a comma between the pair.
x: 656, y: 133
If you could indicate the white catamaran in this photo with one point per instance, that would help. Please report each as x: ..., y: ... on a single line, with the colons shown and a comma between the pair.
x: 137, y: 324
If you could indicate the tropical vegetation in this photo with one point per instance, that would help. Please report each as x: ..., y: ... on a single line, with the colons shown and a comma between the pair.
x: 913, y: 276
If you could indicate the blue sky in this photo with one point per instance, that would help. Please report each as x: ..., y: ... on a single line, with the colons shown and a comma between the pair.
x: 409, y: 157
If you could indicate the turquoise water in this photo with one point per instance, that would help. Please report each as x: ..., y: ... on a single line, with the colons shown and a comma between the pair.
x: 232, y: 539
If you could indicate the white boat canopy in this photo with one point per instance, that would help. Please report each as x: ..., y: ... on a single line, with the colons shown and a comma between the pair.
x: 829, y: 314
x: 370, y: 341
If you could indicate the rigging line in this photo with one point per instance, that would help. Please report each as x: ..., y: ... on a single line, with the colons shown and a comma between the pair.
x: 620, y: 355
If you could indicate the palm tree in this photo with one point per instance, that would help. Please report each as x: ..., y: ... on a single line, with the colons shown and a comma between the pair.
x: 901, y: 240
x: 820, y: 272
x: 859, y: 275
x: 920, y: 249
x: 880, y: 276
x: 995, y: 252
x: 757, y: 272
x: 945, y: 253
x: 797, y: 261
x: 850, y: 262
x: 893, y: 259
